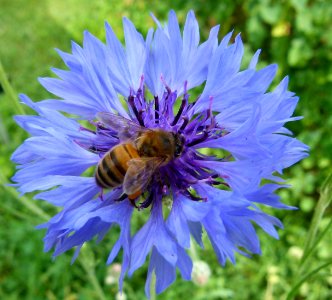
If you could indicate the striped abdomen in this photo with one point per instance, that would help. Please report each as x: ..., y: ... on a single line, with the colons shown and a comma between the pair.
x: 113, y: 166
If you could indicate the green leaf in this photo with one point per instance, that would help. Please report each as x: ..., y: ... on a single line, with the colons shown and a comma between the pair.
x: 270, y: 14
x: 304, y: 22
x: 299, y: 53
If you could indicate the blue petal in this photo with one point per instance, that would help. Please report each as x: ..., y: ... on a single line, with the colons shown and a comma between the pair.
x: 184, y: 210
x: 242, y: 233
x: 190, y: 35
x: 135, y: 53
x: 72, y: 167
x: 87, y: 232
x: 262, y: 79
x: 196, y: 232
x: 267, y: 223
x: 224, y: 65
x: 165, y: 273
x: 177, y: 224
x: 70, y: 193
x: 254, y: 59
x: 244, y: 175
x: 52, y: 181
x: 184, y: 264
x: 265, y: 195
x: 153, y: 233
x: 197, y: 68
x: 243, y: 142
x: 117, y: 62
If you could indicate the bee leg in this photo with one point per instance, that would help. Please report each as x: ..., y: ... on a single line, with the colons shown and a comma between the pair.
x: 146, y: 203
x: 133, y: 202
x: 133, y: 198
x: 121, y: 198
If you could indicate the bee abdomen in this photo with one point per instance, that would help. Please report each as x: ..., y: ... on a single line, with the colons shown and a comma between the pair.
x: 113, y: 166
x: 107, y: 175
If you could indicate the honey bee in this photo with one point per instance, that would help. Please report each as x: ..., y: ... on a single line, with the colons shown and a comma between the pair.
x: 140, y: 153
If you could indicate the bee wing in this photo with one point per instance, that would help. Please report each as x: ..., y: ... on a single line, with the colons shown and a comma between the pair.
x: 126, y: 129
x: 139, y: 173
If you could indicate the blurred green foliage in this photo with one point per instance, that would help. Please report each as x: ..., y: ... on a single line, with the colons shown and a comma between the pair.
x: 296, y: 34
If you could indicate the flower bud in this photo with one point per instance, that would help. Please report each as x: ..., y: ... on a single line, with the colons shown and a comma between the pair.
x: 113, y: 274
x: 120, y: 296
x: 201, y: 273
x: 295, y: 252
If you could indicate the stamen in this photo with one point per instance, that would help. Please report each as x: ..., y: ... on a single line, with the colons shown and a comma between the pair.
x: 193, y: 197
x: 209, y: 111
x: 193, y: 126
x: 165, y: 84
x: 187, y: 177
x: 133, y: 106
x: 156, y: 107
x: 184, y: 124
x: 81, y: 128
x: 141, y: 91
x: 198, y: 174
x: 180, y: 111
x: 215, y: 182
x: 165, y: 107
x: 140, y: 113
x: 201, y: 138
x: 192, y: 104
x: 93, y: 149
x: 210, y: 114
x: 164, y: 190
x: 90, y: 148
x: 141, y: 84
x: 185, y: 87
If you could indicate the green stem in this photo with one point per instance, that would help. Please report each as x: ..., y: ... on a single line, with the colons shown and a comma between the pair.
x: 153, y: 295
x: 323, y: 203
x: 23, y: 200
x: 3, y: 133
x: 17, y: 213
x: 89, y: 268
x: 9, y: 91
x: 193, y: 250
x: 309, y: 251
x: 295, y: 288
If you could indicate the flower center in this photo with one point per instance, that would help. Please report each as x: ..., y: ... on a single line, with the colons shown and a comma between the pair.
x: 167, y: 144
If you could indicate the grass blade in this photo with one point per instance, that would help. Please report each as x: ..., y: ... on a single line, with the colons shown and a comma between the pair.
x: 23, y: 200
x: 297, y: 285
x: 10, y: 92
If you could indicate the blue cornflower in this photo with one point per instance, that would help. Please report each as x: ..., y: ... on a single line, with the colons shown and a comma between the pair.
x: 119, y: 94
